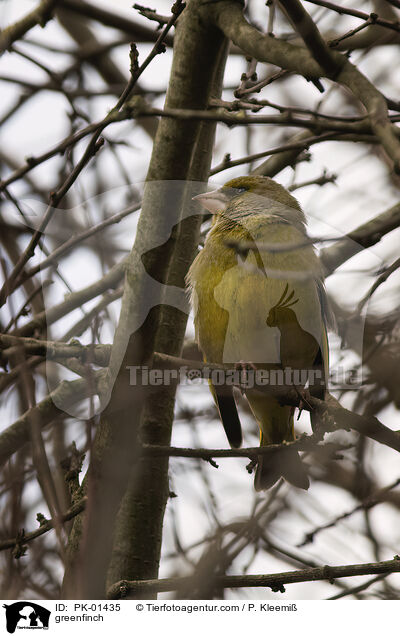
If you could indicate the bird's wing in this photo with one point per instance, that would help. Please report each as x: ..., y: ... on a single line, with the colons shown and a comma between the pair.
x: 322, y: 358
x: 326, y: 310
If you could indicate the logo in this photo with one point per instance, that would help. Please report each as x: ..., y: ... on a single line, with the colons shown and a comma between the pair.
x: 26, y: 615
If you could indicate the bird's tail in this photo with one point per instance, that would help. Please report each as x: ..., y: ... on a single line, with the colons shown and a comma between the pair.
x: 284, y: 463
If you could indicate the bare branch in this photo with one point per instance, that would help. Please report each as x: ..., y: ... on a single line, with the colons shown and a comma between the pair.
x: 99, y: 354
x: 45, y: 526
x: 264, y: 48
x: 388, y: 271
x: 371, y: 501
x: 66, y: 394
x: 40, y: 15
x: 343, y: 10
x: 312, y: 37
x: 77, y: 240
x: 273, y: 581
x: 136, y: 31
x: 366, y: 235
x: 72, y: 301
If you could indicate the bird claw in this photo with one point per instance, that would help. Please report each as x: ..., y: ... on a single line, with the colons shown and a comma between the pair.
x: 304, y: 403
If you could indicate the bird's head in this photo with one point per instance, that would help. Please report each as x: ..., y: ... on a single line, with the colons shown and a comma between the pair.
x: 244, y: 196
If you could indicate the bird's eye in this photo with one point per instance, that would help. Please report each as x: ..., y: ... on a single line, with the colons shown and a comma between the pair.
x: 240, y: 190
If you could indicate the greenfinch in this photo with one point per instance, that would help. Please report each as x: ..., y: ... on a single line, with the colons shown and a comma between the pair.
x: 259, y: 303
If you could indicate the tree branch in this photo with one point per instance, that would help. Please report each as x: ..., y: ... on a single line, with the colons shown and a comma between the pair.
x: 98, y: 354
x: 364, y: 236
x: 45, y: 526
x: 372, y: 500
x: 76, y: 240
x: 312, y: 37
x: 228, y: 15
x: 66, y: 394
x: 273, y: 581
x: 366, y: 425
x: 343, y: 10
x: 72, y: 301
x: 41, y: 15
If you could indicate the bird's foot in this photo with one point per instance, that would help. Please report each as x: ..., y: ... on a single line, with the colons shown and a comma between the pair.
x: 244, y: 368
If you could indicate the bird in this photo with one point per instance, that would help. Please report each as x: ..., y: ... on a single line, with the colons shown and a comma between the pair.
x: 259, y: 302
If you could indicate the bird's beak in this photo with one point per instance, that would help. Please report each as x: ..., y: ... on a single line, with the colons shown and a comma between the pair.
x: 214, y: 202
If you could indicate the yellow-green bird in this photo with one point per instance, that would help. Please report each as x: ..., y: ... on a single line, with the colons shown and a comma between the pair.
x: 259, y: 300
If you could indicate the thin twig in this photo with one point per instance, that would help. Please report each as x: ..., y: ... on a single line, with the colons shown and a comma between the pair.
x: 274, y: 581
x: 45, y: 526
x: 343, y: 10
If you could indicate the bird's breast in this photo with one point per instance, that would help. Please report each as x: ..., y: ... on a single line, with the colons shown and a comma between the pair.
x: 232, y: 297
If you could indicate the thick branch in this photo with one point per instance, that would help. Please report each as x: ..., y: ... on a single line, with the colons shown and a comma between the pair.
x: 99, y: 354
x: 41, y: 15
x: 197, y: 58
x: 312, y: 37
x: 364, y: 236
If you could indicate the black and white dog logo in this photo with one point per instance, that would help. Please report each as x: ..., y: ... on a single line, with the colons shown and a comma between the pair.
x: 26, y: 615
